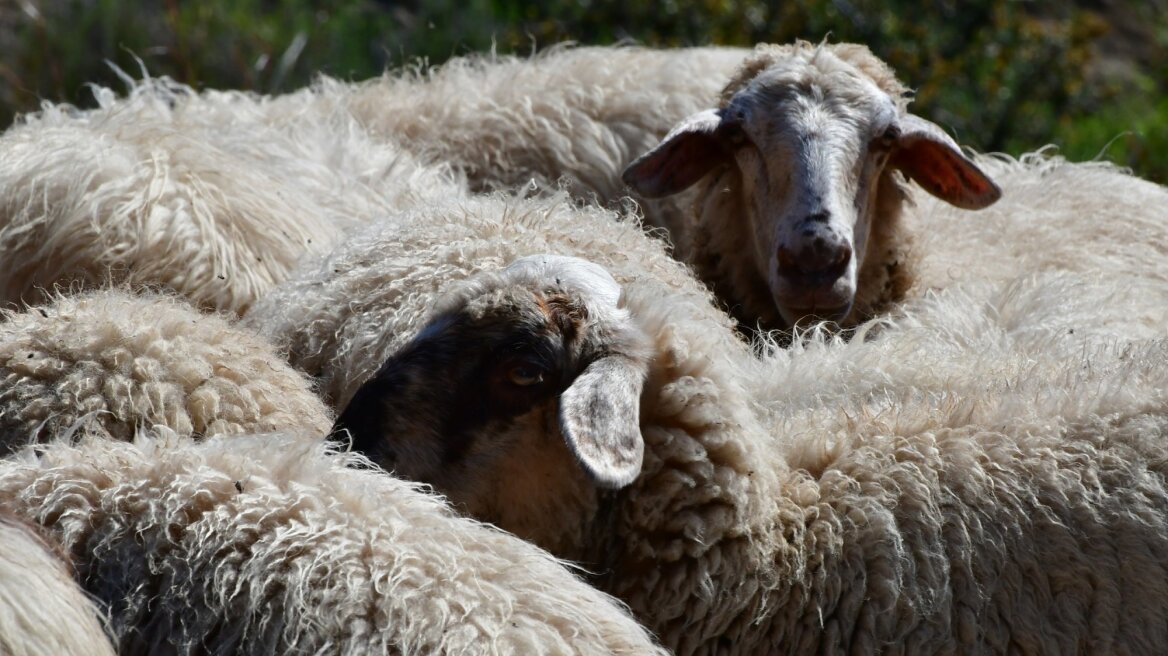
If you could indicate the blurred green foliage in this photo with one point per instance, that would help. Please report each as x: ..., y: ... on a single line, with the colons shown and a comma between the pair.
x: 1090, y: 76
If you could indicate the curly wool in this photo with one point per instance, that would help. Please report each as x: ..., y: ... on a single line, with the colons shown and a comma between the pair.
x: 576, y: 115
x: 1054, y: 215
x: 215, y: 195
x: 42, y: 611
x: 125, y: 361
x: 272, y: 544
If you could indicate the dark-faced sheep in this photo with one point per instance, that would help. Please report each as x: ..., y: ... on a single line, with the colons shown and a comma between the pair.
x: 935, y: 485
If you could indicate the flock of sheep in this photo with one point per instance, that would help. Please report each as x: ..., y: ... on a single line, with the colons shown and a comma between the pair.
x: 398, y: 367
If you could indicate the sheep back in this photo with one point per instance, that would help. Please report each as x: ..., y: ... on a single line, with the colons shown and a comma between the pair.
x: 271, y: 544
x: 215, y: 195
x: 125, y: 361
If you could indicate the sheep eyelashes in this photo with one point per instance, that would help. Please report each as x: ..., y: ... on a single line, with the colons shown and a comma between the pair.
x: 488, y: 370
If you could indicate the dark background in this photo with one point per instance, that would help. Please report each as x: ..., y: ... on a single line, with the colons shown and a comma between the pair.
x: 1090, y: 76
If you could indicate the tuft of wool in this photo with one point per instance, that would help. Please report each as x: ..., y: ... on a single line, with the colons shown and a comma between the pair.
x: 215, y: 195
x: 1054, y: 215
x: 570, y: 116
x: 42, y: 610
x: 275, y: 544
x: 125, y: 361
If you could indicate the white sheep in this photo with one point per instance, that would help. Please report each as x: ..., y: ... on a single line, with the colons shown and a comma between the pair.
x: 984, y: 472
x: 42, y: 611
x: 125, y: 361
x: 798, y: 169
x: 578, y: 115
x: 271, y: 544
x: 215, y: 195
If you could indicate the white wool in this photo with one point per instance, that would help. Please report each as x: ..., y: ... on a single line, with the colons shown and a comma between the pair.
x: 275, y: 544
x: 42, y: 611
x: 589, y: 279
x: 123, y: 361
x: 215, y: 195
x: 571, y: 116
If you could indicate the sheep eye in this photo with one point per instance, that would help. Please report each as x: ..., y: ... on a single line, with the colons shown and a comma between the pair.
x: 888, y: 138
x: 525, y: 375
x: 734, y: 134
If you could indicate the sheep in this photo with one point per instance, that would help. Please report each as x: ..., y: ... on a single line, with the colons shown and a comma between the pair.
x: 42, y: 611
x: 799, y: 201
x: 338, y: 316
x: 215, y: 195
x: 123, y: 361
x: 577, y: 115
x: 865, y: 518
x: 853, y: 496
x: 274, y: 544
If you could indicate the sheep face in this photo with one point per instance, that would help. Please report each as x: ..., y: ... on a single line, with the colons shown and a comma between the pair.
x: 793, y: 162
x: 519, y: 400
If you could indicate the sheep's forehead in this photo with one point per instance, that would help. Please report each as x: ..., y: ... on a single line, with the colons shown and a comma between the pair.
x: 500, y: 312
x: 824, y: 95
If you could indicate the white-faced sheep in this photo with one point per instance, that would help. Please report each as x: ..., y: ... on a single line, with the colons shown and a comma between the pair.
x: 578, y: 115
x: 800, y: 191
x: 125, y: 361
x: 271, y: 545
x: 215, y: 195
x: 42, y: 611
x: 870, y: 513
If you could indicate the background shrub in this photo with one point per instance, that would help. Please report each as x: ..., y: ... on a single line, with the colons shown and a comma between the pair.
x: 1089, y: 76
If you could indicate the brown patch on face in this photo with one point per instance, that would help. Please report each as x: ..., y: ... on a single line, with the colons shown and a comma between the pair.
x: 563, y: 313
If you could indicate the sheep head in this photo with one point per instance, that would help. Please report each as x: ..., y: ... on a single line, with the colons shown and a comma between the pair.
x: 519, y: 400
x: 795, y: 161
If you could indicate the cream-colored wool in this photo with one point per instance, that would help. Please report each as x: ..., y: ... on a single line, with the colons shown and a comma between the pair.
x: 983, y: 472
x: 42, y: 611
x: 125, y: 361
x: 215, y: 195
x: 272, y: 544
x: 576, y: 115
x: 1054, y: 215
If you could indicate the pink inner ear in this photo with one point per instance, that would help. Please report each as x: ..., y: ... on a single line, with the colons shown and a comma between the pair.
x: 685, y: 156
x: 676, y: 165
x: 946, y: 173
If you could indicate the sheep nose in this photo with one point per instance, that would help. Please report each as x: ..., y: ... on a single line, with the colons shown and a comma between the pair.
x: 816, y: 263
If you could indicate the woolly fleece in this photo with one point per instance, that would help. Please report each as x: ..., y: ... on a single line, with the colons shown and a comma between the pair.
x: 215, y: 195
x: 573, y: 114
x: 42, y: 611
x: 273, y: 544
x: 125, y: 361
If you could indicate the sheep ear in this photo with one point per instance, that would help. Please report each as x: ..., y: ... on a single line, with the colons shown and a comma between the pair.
x: 934, y: 161
x: 600, y: 420
x: 364, y: 418
x: 686, y: 155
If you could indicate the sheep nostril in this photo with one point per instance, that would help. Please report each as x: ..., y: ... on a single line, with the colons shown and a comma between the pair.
x: 839, y: 265
x: 819, y: 263
x: 788, y: 263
